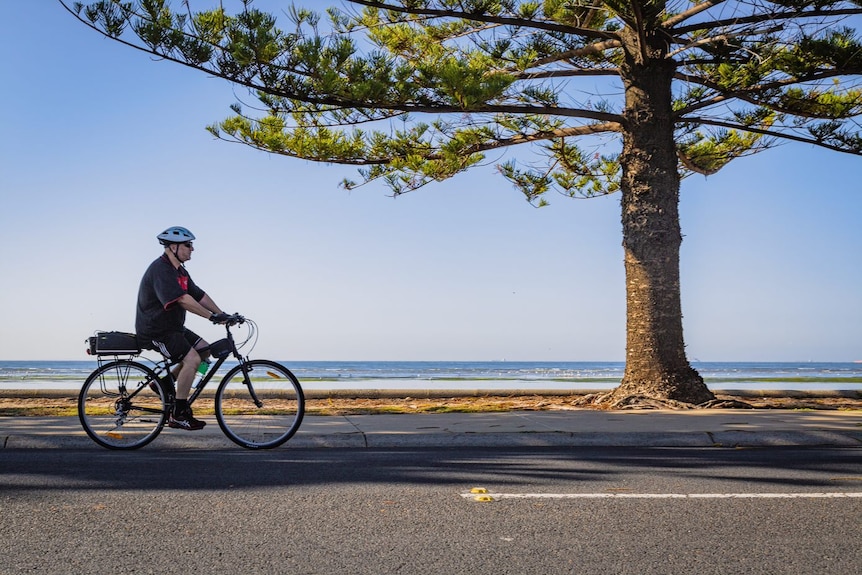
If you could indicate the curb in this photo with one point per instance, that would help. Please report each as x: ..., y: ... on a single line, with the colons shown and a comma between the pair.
x: 524, y: 439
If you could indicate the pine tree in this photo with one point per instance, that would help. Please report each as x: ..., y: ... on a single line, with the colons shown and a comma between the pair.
x: 416, y: 91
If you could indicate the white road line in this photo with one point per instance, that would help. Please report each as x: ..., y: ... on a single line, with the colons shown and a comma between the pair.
x: 496, y: 496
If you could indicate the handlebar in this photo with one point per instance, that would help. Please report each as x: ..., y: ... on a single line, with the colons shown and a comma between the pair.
x: 227, y: 320
x: 250, y: 336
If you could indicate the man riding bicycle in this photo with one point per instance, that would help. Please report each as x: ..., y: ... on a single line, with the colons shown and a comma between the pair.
x: 166, y: 293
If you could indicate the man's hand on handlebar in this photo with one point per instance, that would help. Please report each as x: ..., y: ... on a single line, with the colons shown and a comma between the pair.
x: 224, y: 318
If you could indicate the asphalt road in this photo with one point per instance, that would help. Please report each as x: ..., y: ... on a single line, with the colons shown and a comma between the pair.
x: 333, y: 511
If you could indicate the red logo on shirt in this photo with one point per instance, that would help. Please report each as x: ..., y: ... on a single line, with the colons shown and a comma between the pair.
x: 184, y: 282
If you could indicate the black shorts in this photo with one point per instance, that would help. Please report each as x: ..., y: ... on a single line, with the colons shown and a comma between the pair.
x: 174, y: 345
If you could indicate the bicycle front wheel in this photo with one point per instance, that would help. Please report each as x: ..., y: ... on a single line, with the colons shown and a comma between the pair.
x: 259, y: 404
x: 118, y: 407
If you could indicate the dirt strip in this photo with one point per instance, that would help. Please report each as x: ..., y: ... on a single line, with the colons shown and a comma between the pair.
x: 48, y: 403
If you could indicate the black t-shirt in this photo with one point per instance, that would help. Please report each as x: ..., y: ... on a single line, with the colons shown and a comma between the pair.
x: 161, y: 287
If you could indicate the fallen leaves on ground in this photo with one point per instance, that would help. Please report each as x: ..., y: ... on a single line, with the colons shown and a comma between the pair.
x: 67, y: 406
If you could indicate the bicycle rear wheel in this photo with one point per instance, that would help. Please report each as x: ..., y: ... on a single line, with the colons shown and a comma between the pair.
x: 263, y: 411
x: 117, y: 407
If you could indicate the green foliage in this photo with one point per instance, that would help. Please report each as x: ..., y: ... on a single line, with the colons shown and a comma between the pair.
x: 646, y: 13
x: 111, y: 17
x: 426, y: 89
x: 707, y: 152
x: 571, y: 172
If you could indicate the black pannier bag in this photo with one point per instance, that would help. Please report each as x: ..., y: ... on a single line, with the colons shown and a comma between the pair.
x: 220, y: 348
x: 113, y: 343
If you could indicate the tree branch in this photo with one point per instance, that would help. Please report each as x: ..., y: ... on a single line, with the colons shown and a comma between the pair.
x: 724, y: 37
x: 568, y: 73
x: 475, y: 149
x: 479, y: 17
x: 589, y: 50
x: 552, y: 135
x: 690, y: 13
x: 343, y: 102
x: 768, y: 133
x: 766, y: 17
x: 748, y: 94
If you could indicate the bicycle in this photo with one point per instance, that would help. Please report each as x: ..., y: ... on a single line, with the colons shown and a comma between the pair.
x: 124, y: 404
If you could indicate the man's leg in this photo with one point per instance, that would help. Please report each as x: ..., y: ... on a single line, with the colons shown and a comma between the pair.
x: 182, y: 345
x: 186, y: 376
x: 202, y: 344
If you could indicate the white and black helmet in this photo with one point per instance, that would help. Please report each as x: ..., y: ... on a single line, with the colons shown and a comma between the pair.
x: 175, y: 235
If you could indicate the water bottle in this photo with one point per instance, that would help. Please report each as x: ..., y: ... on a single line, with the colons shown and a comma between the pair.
x: 201, y: 372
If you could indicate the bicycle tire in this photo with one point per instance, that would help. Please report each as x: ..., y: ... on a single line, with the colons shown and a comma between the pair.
x: 117, y: 407
x: 263, y: 426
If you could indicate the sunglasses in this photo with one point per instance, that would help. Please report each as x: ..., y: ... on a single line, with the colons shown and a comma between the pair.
x: 187, y: 244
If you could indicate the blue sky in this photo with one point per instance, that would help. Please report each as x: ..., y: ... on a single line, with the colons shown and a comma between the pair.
x: 104, y: 147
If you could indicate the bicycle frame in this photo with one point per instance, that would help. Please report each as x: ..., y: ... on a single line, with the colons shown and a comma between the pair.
x: 165, y: 365
x: 218, y: 363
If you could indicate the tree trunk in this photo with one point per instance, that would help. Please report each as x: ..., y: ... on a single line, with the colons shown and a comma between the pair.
x: 656, y: 364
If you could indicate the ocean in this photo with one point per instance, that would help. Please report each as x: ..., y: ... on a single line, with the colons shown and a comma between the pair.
x: 479, y: 375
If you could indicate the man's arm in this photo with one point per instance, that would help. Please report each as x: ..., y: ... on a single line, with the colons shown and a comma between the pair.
x: 204, y: 308
x: 208, y: 303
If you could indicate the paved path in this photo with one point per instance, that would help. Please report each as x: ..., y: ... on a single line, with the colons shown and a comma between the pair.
x: 696, y: 428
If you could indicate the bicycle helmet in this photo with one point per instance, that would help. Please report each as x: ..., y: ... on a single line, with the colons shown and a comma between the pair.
x: 175, y: 235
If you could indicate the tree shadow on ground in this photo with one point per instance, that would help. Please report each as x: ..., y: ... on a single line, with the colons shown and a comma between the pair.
x: 539, y: 469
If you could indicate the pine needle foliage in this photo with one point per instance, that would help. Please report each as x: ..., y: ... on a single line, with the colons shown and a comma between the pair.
x: 417, y: 91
